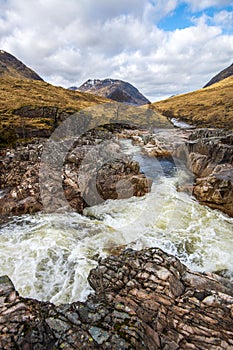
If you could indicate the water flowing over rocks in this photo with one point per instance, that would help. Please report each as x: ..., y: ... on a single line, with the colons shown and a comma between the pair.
x: 107, y: 174
x: 161, y: 143
x: 143, y: 300
x: 207, y: 153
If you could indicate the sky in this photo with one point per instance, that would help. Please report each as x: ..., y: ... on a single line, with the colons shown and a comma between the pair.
x: 163, y: 47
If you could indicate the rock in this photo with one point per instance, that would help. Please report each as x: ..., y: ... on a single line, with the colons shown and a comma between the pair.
x: 160, y: 143
x: 216, y: 190
x: 92, y: 170
x: 209, y: 155
x: 143, y: 300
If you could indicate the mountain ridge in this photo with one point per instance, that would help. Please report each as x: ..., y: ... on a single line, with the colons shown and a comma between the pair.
x: 225, y: 73
x: 13, y: 67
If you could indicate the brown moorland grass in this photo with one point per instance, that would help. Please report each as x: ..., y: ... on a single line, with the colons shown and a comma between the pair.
x: 208, y: 107
x: 32, y: 108
x: 34, y: 95
x: 15, y: 93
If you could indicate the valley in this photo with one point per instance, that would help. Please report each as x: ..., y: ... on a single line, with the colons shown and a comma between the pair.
x: 116, y: 224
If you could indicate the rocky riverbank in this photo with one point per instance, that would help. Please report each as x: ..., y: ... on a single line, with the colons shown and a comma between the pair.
x: 207, y: 153
x: 106, y: 174
x: 142, y: 300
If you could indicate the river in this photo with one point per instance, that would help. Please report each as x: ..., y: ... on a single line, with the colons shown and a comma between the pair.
x: 49, y: 256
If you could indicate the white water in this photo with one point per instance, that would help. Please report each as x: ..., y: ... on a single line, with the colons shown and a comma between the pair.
x: 48, y: 257
x: 180, y: 124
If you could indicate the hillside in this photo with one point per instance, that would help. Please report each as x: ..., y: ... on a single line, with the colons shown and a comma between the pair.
x: 225, y: 73
x: 31, y: 108
x: 209, y: 107
x: 116, y: 90
x: 10, y: 66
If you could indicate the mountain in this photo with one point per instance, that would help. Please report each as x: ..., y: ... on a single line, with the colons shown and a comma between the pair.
x: 209, y: 107
x: 10, y: 66
x: 34, y: 108
x: 225, y: 73
x: 30, y: 107
x: 116, y: 90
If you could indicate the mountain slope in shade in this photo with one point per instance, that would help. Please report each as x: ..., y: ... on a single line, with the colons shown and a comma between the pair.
x: 209, y: 107
x: 225, y: 73
x: 116, y: 90
x: 10, y: 66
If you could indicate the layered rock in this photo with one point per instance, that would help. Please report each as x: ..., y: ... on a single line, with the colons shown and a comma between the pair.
x: 209, y: 155
x: 160, y: 143
x: 142, y: 300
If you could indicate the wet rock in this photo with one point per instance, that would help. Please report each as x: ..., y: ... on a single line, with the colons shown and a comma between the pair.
x: 159, y: 304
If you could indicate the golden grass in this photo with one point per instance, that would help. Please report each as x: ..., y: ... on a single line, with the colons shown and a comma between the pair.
x: 207, y: 107
x: 31, y: 95
x: 16, y: 93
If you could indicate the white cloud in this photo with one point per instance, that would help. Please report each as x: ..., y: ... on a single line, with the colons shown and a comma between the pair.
x: 69, y: 42
x: 158, y: 9
x: 224, y: 19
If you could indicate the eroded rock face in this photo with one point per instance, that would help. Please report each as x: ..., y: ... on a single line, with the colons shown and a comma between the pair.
x: 209, y: 154
x: 143, y: 300
x: 93, y: 170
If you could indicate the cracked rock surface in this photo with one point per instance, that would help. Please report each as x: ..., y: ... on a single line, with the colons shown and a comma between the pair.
x: 67, y: 174
x: 143, y: 300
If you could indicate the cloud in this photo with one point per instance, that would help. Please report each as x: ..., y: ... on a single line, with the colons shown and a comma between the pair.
x: 67, y: 43
x: 224, y: 19
x: 158, y: 9
x: 198, y: 5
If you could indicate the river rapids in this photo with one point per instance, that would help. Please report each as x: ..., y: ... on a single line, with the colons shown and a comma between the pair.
x: 49, y: 256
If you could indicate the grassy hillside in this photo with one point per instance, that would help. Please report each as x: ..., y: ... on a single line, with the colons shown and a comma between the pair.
x: 211, y: 106
x: 30, y: 108
x: 34, y: 108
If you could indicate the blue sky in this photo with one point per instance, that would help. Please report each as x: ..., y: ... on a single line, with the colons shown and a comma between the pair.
x: 180, y: 18
x: 163, y: 47
x: 183, y: 16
